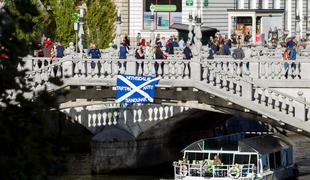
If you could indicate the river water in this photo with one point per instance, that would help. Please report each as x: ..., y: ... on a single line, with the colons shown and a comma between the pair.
x: 79, y: 167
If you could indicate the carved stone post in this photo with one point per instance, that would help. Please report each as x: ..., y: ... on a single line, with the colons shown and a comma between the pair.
x: 196, y: 50
x: 300, y: 107
x: 118, y: 29
x: 190, y: 27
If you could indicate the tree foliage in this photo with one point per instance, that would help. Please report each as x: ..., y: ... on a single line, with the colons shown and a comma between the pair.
x: 62, y: 12
x: 25, y: 151
x: 100, y: 22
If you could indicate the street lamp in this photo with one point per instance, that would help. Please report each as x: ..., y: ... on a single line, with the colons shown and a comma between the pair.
x: 81, y: 29
x: 190, y: 27
x: 118, y: 29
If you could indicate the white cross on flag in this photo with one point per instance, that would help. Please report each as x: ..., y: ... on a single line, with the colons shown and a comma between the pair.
x: 135, y: 89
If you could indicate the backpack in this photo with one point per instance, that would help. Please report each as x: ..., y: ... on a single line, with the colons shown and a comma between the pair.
x: 122, y: 53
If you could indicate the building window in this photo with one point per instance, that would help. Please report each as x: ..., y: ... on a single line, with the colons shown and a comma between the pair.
x: 162, y: 20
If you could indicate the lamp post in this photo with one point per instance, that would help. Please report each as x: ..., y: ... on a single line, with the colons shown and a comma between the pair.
x: 198, y: 35
x: 152, y: 39
x: 118, y: 29
x: 190, y: 27
x: 81, y: 29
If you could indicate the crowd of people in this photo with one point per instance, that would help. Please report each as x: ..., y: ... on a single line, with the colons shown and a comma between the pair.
x: 50, y: 49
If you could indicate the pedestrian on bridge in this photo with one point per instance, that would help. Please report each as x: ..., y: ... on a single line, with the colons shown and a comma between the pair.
x: 94, y: 53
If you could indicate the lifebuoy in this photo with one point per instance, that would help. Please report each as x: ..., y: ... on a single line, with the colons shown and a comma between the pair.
x: 234, y: 172
x: 183, y: 170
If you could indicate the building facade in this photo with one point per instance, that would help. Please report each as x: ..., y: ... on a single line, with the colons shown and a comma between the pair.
x: 228, y: 16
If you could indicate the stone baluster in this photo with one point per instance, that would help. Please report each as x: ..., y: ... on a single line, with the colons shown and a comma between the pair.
x: 99, y: 119
x: 76, y: 69
x: 263, y: 97
x: 225, y: 68
x: 153, y: 71
x: 58, y: 73
x: 171, y: 111
x: 122, y: 69
x: 166, y: 70
x: 94, y: 119
x: 205, y: 72
x: 125, y: 116
x: 172, y: 67
x: 277, y: 70
x: 308, y: 113
x: 97, y: 65
x: 89, y: 124
x: 104, y: 118
x: 110, y: 118
x: 225, y: 82
x: 134, y: 116
x: 291, y: 107
x: 150, y: 114
x: 300, y: 107
x: 283, y: 106
x: 161, y: 112
x: 277, y: 102
x: 115, y: 68
x: 115, y: 116
x: 231, y: 68
x: 290, y: 71
x: 155, y: 114
x: 139, y: 115
x: 89, y: 70
x: 180, y: 69
x: 231, y: 85
x: 140, y: 72
x: 217, y: 79
x: 270, y: 99
x: 147, y: 67
x: 238, y: 70
x: 186, y: 72
x: 166, y: 112
x: 296, y: 71
x: 270, y: 70
x: 181, y: 109
x: 101, y: 69
x: 160, y: 70
x: 109, y: 68
x: 238, y: 88
x: 256, y: 95
x: 263, y: 70
x: 82, y: 66
x: 283, y: 70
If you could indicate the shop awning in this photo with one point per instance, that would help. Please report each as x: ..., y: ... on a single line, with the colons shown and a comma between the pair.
x: 184, y: 27
x: 266, y: 12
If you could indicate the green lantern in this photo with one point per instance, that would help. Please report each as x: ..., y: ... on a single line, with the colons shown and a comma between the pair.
x: 206, y: 3
x: 189, y: 3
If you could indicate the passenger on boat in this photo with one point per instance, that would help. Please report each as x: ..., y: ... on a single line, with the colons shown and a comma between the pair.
x: 217, y: 162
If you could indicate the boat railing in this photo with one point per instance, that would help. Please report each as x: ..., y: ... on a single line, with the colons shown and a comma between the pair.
x: 236, y: 171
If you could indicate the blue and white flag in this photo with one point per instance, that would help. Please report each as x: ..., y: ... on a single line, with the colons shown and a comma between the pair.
x: 135, y: 89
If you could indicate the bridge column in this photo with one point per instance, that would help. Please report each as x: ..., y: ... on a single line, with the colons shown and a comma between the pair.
x: 67, y: 68
x: 131, y: 67
x: 300, y: 107
x: 304, y: 70
x: 247, y: 91
x: 254, y: 70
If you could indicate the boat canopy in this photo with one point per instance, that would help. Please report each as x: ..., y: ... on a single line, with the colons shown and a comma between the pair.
x: 228, y: 142
x: 264, y: 144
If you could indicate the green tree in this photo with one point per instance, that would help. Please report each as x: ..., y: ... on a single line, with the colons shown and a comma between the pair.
x: 62, y: 12
x: 100, y: 19
x: 25, y: 151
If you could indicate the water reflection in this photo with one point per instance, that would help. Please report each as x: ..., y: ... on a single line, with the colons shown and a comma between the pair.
x: 79, y: 165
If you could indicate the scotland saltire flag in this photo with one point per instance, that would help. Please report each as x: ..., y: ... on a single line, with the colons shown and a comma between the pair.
x: 135, y: 89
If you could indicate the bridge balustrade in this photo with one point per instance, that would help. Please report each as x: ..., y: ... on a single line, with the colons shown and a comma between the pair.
x: 233, y: 80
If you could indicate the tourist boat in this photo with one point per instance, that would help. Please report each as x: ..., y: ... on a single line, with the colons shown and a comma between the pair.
x: 241, y: 156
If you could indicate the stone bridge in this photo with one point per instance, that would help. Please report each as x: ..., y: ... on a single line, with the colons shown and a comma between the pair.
x: 265, y: 88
